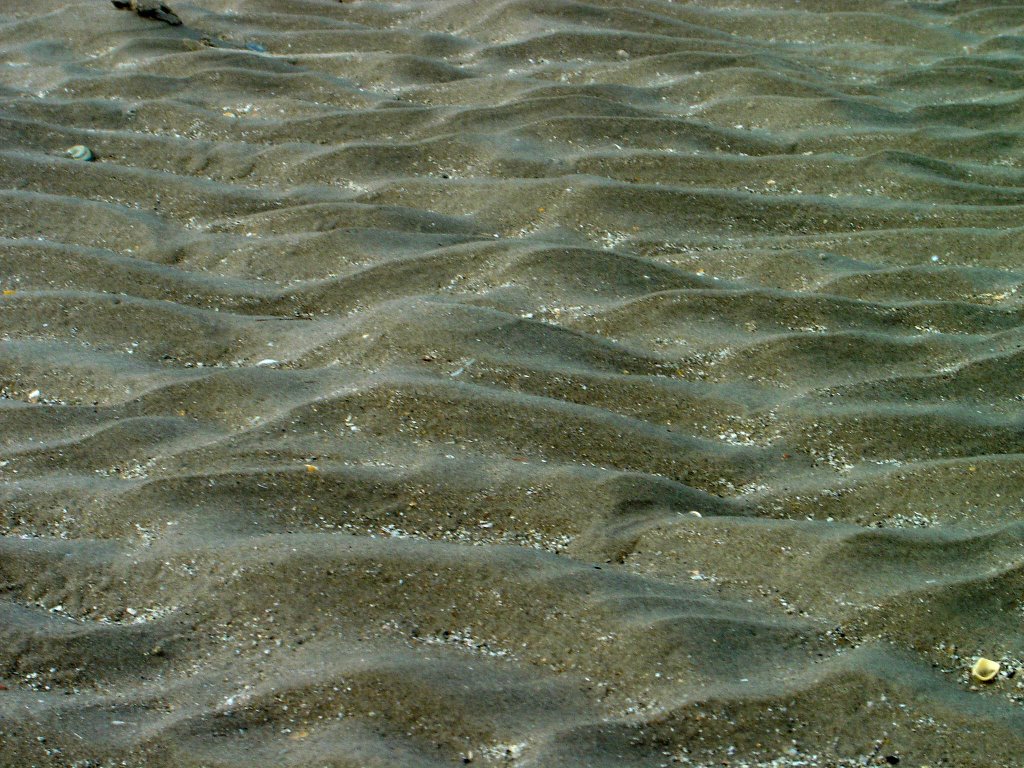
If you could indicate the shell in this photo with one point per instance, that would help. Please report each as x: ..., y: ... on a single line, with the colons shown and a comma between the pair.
x: 80, y: 152
x: 985, y: 670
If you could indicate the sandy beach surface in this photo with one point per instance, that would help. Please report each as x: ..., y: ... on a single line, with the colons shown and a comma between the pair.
x: 511, y: 383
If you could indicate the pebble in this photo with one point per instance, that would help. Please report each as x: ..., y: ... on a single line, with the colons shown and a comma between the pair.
x: 150, y: 9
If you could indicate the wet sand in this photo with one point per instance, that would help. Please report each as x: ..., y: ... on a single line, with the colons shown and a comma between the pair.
x: 511, y: 383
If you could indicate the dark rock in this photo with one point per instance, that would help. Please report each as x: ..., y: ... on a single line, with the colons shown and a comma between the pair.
x: 150, y: 9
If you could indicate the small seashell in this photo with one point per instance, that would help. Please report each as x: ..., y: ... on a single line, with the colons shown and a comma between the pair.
x: 985, y: 670
x: 267, y: 362
x: 312, y: 468
x: 80, y: 152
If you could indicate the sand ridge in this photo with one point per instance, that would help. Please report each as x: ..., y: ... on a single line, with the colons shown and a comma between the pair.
x: 511, y: 383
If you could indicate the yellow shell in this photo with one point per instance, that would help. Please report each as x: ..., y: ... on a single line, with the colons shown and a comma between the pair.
x: 985, y: 670
x: 80, y: 152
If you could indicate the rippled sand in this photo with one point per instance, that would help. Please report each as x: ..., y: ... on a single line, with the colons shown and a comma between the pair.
x: 529, y: 383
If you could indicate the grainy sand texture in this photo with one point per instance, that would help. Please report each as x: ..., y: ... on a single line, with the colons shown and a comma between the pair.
x: 511, y: 383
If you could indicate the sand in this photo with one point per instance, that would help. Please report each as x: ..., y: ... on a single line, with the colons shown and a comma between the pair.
x: 511, y: 383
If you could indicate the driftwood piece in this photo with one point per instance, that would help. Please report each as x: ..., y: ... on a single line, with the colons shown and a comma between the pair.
x: 150, y: 9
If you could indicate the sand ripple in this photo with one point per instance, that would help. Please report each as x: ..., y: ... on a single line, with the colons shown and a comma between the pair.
x: 517, y: 383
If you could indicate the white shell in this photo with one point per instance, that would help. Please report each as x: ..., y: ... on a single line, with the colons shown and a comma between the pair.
x: 80, y: 152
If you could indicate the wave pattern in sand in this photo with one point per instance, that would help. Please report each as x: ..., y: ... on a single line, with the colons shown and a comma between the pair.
x: 524, y: 383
